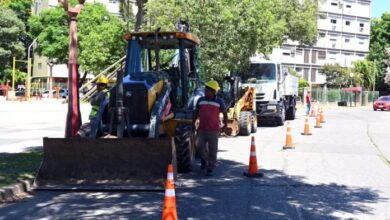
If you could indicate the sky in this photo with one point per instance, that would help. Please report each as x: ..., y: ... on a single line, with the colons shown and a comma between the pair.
x: 379, y: 7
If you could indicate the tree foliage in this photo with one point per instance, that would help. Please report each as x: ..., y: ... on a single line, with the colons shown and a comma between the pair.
x: 336, y: 75
x: 379, y: 41
x: 99, y: 34
x: 231, y: 31
x: 11, y: 27
x: 366, y: 70
x: 22, y: 8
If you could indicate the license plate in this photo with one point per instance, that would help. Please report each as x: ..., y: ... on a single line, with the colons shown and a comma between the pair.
x: 271, y: 107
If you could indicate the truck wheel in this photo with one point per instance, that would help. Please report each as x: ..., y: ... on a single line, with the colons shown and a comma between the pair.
x: 245, y: 123
x: 290, y: 115
x: 280, y: 119
x: 253, y: 122
x: 184, y: 150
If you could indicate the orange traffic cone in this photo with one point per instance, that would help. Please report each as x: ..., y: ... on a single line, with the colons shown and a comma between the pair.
x: 306, y: 130
x: 169, y: 210
x: 289, y: 144
x: 252, y: 169
x: 322, y: 117
x: 318, y: 121
x: 313, y: 112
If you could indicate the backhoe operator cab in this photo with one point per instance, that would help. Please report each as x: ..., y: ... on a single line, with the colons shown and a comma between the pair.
x: 160, y: 78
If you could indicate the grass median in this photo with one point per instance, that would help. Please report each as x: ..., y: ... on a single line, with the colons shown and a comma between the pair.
x: 15, y: 166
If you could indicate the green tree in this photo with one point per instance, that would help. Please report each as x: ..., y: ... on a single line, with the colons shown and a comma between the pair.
x: 336, y: 75
x: 232, y: 31
x: 301, y: 20
x: 99, y: 33
x: 23, y: 10
x: 379, y: 41
x: 10, y: 29
x: 366, y: 70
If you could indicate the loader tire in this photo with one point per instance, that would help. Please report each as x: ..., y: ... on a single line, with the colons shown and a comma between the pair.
x: 254, y: 123
x: 290, y: 114
x: 245, y: 123
x: 184, y: 151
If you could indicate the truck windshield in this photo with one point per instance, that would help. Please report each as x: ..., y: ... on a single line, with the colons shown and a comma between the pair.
x: 257, y: 72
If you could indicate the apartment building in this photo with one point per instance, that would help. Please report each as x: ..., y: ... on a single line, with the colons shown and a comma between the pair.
x: 41, y: 65
x: 344, y: 37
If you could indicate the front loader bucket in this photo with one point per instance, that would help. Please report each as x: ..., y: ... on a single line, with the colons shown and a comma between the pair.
x: 105, y: 164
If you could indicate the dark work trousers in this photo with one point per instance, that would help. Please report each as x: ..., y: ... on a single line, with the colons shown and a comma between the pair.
x: 208, y: 147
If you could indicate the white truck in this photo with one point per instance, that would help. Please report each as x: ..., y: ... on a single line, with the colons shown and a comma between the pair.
x: 276, y: 91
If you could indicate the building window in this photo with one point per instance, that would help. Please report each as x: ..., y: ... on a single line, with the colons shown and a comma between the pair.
x: 39, y: 66
x: 348, y: 6
x: 299, y: 52
x: 360, y: 55
x: 361, y: 43
x: 333, y: 39
x: 333, y: 21
x: 348, y: 23
x: 322, y: 35
x: 298, y: 69
x: 347, y: 40
x: 332, y: 55
x: 321, y: 55
x: 313, y: 75
x: 361, y: 25
x: 333, y: 3
x: 286, y: 54
x: 113, y: 1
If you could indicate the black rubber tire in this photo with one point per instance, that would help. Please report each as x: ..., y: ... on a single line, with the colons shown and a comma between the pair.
x: 245, y: 123
x: 281, y: 118
x: 184, y: 152
x: 254, y: 123
x: 375, y: 109
x: 290, y: 115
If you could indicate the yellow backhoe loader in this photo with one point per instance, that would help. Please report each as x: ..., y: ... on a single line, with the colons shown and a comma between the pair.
x: 242, y: 119
x: 145, y: 125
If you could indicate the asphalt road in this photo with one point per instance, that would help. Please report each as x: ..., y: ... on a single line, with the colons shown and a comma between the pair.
x: 342, y: 171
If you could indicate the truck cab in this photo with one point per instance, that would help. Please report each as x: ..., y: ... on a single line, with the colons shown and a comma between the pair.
x: 276, y: 90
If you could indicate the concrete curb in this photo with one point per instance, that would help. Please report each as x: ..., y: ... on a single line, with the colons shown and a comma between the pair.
x: 16, y: 191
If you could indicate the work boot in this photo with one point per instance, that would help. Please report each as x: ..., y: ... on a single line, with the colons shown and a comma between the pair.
x: 209, y: 172
x: 202, y: 164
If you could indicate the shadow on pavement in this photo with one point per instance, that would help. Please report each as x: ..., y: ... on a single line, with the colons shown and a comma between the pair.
x: 225, y: 195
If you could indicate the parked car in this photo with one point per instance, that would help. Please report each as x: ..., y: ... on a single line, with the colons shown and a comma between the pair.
x: 20, y: 92
x: 63, y: 93
x: 383, y: 103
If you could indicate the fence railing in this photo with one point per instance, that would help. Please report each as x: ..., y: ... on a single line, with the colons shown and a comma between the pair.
x: 325, y: 95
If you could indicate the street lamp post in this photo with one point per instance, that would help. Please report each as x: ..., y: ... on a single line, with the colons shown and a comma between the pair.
x: 351, y: 76
x: 51, y: 64
x: 350, y: 95
x: 29, y: 66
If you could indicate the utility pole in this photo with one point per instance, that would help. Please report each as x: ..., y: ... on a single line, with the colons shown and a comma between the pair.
x: 29, y: 66
x: 73, y: 118
x: 51, y: 64
x: 13, y: 74
x: 374, y: 72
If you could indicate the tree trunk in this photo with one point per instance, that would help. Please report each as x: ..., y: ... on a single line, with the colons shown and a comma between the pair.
x: 140, y: 15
